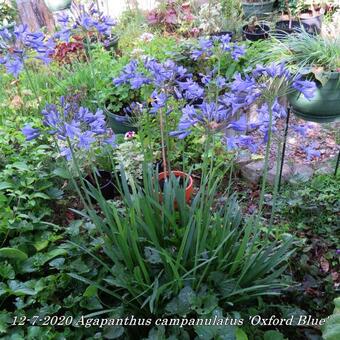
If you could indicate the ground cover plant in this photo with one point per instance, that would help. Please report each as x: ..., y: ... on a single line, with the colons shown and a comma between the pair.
x: 126, y: 209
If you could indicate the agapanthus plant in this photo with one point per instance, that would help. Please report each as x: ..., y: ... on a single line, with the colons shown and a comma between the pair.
x: 85, y: 21
x: 263, y: 86
x: 216, y: 46
x: 22, y: 46
x: 76, y: 129
x: 167, y: 81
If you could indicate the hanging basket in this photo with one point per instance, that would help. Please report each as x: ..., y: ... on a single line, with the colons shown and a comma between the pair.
x: 58, y: 5
x: 324, y: 107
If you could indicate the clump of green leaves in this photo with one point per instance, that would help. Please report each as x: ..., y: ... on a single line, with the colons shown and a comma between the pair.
x: 203, y: 251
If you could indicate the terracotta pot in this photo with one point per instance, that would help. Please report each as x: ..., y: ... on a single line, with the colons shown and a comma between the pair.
x: 190, y: 186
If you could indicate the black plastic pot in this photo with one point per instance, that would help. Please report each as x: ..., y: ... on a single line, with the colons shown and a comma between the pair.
x: 260, y: 32
x: 111, y: 43
x: 105, y: 180
x: 324, y: 107
x: 283, y: 28
x: 314, y: 23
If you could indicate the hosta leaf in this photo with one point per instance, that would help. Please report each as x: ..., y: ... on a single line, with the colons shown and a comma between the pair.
x: 55, y: 193
x: 13, y: 253
x: 57, y: 263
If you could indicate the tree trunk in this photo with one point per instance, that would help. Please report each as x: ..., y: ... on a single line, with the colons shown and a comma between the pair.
x: 35, y: 14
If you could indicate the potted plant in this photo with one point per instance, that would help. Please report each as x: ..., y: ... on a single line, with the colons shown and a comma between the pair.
x: 257, y: 7
x: 291, y: 22
x: 287, y: 24
x: 58, y: 5
x: 105, y: 181
x: 254, y: 30
x: 319, y: 58
x: 211, y: 22
x: 312, y: 14
x: 124, y: 120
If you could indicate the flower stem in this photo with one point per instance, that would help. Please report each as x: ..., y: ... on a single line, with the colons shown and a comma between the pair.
x: 161, y: 124
x: 266, y: 163
x: 32, y: 85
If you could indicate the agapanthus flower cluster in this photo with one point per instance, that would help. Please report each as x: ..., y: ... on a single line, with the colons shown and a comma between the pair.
x: 84, y: 20
x: 21, y: 46
x: 261, y: 87
x: 74, y: 127
x: 227, y: 107
x: 165, y: 77
x: 218, y: 44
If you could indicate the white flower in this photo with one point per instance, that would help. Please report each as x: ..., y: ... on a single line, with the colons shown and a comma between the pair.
x: 146, y: 37
x: 130, y: 135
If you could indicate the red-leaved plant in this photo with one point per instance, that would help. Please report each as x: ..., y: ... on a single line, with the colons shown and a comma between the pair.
x: 170, y: 16
x: 67, y: 52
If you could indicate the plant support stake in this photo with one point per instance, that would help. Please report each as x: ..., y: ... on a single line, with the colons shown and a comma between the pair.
x: 284, y: 147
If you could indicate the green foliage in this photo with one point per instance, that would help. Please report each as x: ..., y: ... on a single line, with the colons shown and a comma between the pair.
x: 160, y: 47
x: 313, y: 204
x: 177, y: 262
x: 8, y: 13
x: 331, y: 330
x: 306, y: 53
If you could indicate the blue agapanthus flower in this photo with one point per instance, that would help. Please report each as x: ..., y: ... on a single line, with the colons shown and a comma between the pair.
x: 209, y: 116
x: 207, y: 47
x: 23, y: 45
x: 85, y: 20
x: 72, y: 124
x: 306, y: 87
x: 29, y: 132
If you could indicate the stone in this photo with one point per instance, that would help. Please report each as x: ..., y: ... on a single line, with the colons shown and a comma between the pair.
x: 252, y: 117
x: 243, y: 158
x: 253, y: 171
x: 286, y: 174
x: 302, y: 172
